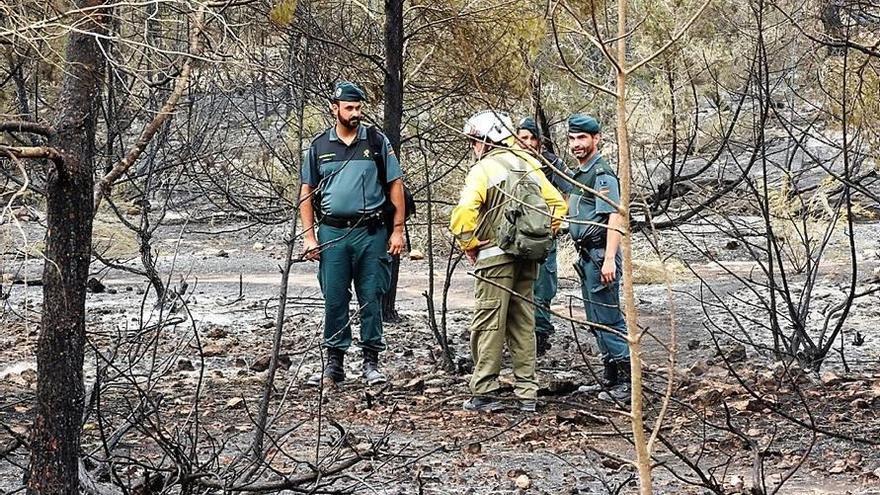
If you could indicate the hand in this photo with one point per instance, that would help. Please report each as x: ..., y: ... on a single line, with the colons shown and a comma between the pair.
x: 609, y: 271
x: 395, y: 243
x: 311, y: 250
x: 473, y: 252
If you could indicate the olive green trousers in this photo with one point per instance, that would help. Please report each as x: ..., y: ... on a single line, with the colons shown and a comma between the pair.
x: 501, y: 317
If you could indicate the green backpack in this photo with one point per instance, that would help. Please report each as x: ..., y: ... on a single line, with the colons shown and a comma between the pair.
x: 524, y: 227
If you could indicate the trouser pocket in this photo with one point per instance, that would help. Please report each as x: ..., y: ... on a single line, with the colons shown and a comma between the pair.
x: 486, y: 315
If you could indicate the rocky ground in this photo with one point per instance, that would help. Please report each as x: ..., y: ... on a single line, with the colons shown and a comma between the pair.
x: 732, y: 406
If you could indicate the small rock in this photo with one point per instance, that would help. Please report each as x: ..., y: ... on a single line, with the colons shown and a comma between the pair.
x: 259, y: 246
x: 854, y: 459
x: 610, y: 463
x: 112, y: 290
x: 731, y: 245
x: 240, y: 363
x: 216, y: 333
x: 474, y: 448
x: 523, y: 482
x: 213, y: 350
x: 221, y: 254
x: 693, y: 344
x: 414, y: 384
x: 736, y: 483
x: 95, y: 286
x: 416, y: 255
x: 709, y: 396
x: 735, y: 353
x: 830, y: 379
x: 767, y: 379
x: 29, y: 377
x: 235, y: 403
x: 262, y: 364
x: 185, y: 365
x: 22, y: 213
x: 268, y: 324
x: 559, y: 387
x: 838, y: 467
x: 436, y: 382
x: 129, y: 288
x: 698, y: 368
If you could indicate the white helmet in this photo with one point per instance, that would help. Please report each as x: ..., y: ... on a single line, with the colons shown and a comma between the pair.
x: 489, y: 125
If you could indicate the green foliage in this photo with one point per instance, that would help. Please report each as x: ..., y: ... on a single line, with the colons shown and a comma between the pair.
x: 283, y: 13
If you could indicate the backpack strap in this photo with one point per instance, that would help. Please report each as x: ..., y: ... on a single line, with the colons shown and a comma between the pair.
x: 376, y: 141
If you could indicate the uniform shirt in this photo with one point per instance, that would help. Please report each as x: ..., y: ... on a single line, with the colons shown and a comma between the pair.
x: 346, y: 175
x: 585, y: 206
x: 559, y: 183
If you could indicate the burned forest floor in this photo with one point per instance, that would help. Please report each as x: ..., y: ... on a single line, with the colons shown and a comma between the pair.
x: 187, y: 377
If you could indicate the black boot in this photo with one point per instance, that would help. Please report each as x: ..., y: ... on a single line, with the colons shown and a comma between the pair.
x: 542, y: 344
x: 371, y: 373
x: 608, y: 379
x: 334, y: 369
x: 622, y: 390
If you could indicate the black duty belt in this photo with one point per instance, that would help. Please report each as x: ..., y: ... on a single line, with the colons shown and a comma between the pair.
x: 371, y: 220
x: 584, y: 245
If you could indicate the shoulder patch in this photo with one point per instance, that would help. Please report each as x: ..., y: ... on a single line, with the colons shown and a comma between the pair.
x: 604, y: 170
x: 318, y: 135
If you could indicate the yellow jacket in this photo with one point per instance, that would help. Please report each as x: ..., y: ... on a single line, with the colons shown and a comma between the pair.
x: 475, y: 218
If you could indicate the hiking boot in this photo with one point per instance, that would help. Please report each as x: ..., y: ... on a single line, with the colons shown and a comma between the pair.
x: 528, y: 405
x: 608, y: 380
x: 542, y: 344
x: 370, y: 369
x: 482, y: 403
x: 621, y: 391
x: 333, y: 372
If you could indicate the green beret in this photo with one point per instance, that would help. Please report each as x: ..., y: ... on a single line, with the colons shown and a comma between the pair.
x: 581, y: 122
x: 348, y: 91
x: 529, y: 124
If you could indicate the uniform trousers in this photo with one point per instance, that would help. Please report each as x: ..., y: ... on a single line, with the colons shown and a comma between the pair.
x: 356, y: 255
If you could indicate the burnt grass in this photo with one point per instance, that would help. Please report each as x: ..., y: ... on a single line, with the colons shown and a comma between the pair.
x: 200, y: 365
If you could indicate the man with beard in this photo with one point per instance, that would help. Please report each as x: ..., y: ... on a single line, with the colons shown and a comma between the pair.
x: 343, y: 186
x: 528, y: 134
x: 595, y: 227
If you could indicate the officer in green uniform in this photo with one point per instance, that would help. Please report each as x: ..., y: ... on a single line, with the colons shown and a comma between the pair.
x: 529, y: 135
x: 352, y: 242
x: 592, y: 224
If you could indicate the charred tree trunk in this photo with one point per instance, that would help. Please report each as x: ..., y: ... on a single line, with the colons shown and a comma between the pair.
x: 541, y: 115
x: 392, y: 118
x: 55, y: 436
x: 833, y: 25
